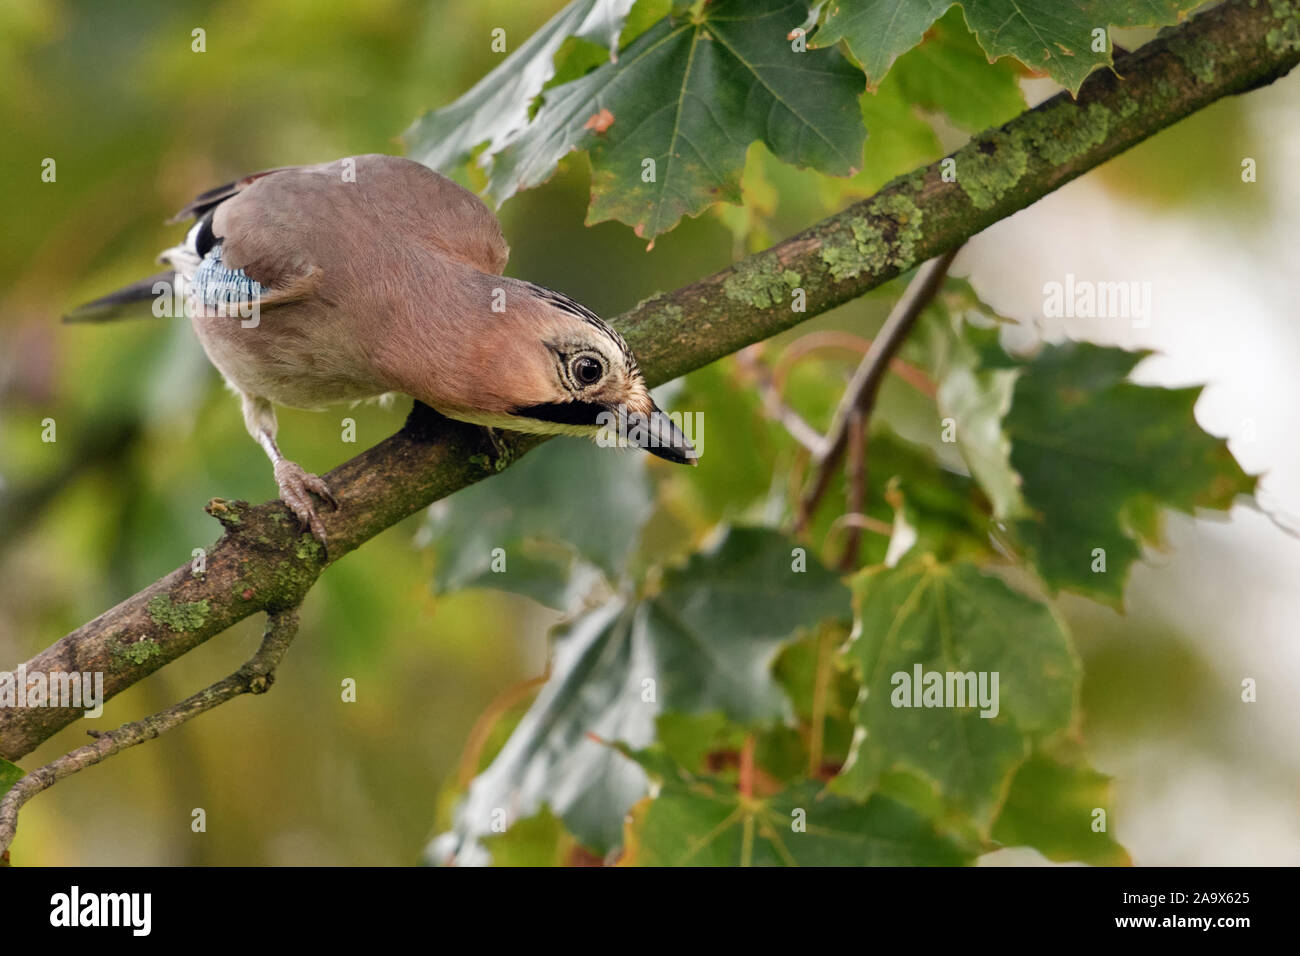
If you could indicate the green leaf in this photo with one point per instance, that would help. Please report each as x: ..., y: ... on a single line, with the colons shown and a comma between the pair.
x: 976, y: 395
x: 703, y: 644
x: 690, y: 738
x: 878, y: 31
x: 711, y: 742
x: 496, y: 107
x: 1052, y: 807
x: 1046, y: 35
x: 953, y: 619
x: 1078, y: 461
x: 576, y: 57
x: 742, y: 447
x: 947, y: 511
x: 691, y: 94
x: 1057, y: 38
x: 900, y: 141
x: 551, y: 758
x: 706, y: 821
x: 800, y: 668
x: 949, y: 73
x: 976, y: 401
x: 728, y: 611
x: 1099, y: 458
x: 539, y: 840
x: 10, y: 774
x: 567, y: 506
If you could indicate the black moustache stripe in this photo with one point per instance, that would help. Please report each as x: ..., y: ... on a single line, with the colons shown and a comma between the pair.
x: 564, y: 413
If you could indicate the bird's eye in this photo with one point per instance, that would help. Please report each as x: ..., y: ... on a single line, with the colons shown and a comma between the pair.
x: 586, y: 370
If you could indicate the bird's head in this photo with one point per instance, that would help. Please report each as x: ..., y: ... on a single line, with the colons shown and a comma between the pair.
x: 574, y: 375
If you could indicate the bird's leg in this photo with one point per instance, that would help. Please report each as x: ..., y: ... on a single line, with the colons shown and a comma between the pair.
x: 296, y: 484
x: 296, y: 487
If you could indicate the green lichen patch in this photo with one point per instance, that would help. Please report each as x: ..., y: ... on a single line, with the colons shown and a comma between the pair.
x: 282, y: 581
x: 183, y: 616
x: 669, y: 313
x: 229, y: 513
x: 137, y: 652
x: 840, y: 251
x: 760, y: 283
x: 886, y: 236
x: 993, y: 164
x: 1285, y: 37
x: 990, y: 167
x: 1166, y: 90
x: 291, y: 579
x: 1195, y: 53
x: 904, y: 218
x: 307, y: 548
x: 1065, y: 132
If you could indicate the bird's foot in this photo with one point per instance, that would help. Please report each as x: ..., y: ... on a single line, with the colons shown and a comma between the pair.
x: 296, y: 488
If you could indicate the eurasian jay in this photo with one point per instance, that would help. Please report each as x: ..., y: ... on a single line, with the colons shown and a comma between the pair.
x: 309, y: 285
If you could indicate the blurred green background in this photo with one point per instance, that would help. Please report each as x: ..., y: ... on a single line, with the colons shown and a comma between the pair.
x: 138, y: 123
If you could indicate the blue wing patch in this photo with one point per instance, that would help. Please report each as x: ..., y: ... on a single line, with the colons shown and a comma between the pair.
x: 214, y: 285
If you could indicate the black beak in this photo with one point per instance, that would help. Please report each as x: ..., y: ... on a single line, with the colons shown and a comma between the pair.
x: 659, y: 435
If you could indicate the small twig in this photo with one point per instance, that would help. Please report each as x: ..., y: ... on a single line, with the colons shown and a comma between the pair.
x: 858, y: 521
x: 857, y: 481
x: 771, y: 381
x: 825, y: 340
x: 860, y: 396
x: 254, y: 677
x: 774, y: 405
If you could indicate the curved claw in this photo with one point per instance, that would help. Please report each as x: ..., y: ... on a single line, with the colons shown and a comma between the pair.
x: 317, y: 486
x: 296, y: 488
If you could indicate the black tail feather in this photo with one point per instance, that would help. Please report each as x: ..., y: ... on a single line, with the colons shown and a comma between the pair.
x: 126, y: 303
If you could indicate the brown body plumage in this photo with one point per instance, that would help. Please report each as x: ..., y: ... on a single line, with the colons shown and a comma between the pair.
x: 347, y: 280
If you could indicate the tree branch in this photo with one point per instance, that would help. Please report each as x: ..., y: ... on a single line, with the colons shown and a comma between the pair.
x: 262, y: 564
x: 254, y: 677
